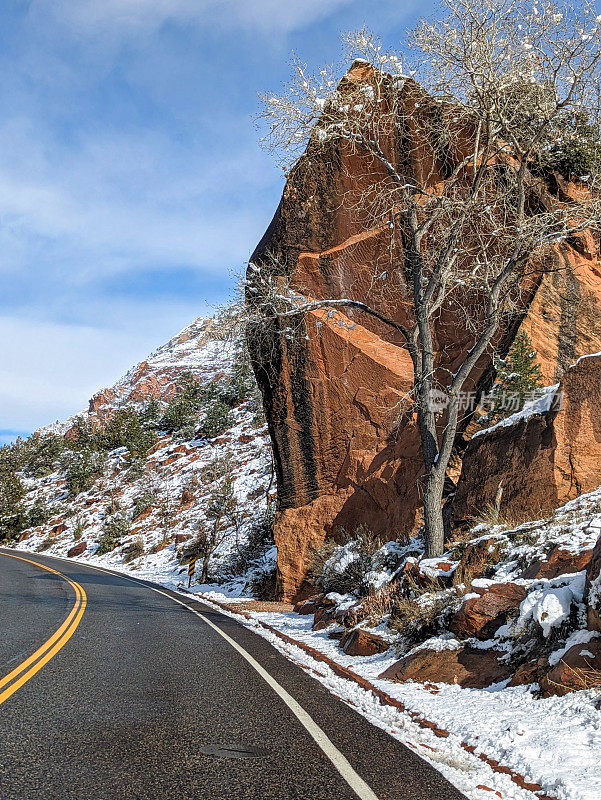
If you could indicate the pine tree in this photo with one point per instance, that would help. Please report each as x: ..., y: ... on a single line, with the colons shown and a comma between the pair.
x: 518, y: 376
x: 577, y: 150
x: 12, y: 513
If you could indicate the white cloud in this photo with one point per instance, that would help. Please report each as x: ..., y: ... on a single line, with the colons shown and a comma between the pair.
x: 67, y: 364
x: 282, y: 16
x: 126, y: 151
x: 122, y: 201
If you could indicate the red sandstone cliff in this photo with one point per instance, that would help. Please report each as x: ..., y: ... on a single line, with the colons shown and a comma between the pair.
x: 541, y: 461
x: 345, y: 443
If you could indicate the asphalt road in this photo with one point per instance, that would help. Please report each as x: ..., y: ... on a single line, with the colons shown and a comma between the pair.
x: 141, y: 686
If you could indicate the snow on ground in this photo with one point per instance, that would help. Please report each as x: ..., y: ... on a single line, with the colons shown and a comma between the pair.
x: 476, y: 779
x: 554, y: 741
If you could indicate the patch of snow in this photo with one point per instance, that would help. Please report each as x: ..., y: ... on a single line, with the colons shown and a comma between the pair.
x: 341, y: 558
x: 578, y: 637
x: 548, y: 607
x: 555, y: 742
x: 377, y: 579
x: 341, y: 599
x: 539, y: 406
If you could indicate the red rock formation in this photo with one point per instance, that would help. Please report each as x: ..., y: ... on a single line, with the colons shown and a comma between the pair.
x: 158, y: 376
x: 322, y: 619
x: 579, y: 668
x: 559, y: 562
x: 77, y: 549
x: 482, y: 616
x: 563, y: 320
x: 100, y: 399
x: 541, y: 462
x: 308, y: 606
x: 346, y: 446
x: 363, y: 643
x: 468, y: 667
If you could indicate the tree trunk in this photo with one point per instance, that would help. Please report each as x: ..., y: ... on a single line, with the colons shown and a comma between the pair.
x: 204, y: 576
x: 433, y: 516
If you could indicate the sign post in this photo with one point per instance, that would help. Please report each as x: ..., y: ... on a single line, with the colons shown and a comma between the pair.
x: 191, y: 568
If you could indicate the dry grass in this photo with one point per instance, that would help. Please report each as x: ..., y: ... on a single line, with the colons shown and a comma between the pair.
x: 415, y: 621
x: 378, y: 604
x: 480, y: 562
x: 465, y: 573
x: 133, y: 550
x: 425, y: 585
x: 462, y: 580
x: 491, y: 515
x: 580, y: 678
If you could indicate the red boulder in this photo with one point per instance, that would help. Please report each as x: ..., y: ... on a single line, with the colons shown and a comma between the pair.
x: 467, y: 667
x: 482, y: 616
x: 363, y: 643
x: 77, y: 549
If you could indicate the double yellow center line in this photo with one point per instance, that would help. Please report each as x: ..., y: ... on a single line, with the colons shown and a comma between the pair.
x: 10, y: 683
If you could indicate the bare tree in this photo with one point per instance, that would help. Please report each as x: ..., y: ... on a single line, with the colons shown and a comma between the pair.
x: 472, y: 222
x: 221, y: 516
x: 165, y: 515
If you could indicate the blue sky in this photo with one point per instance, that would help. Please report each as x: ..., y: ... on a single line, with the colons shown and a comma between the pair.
x: 131, y: 182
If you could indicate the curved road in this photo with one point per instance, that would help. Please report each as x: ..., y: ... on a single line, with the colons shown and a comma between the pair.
x: 132, y: 695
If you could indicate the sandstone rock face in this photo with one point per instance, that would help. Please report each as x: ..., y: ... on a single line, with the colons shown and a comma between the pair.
x: 541, y: 462
x: 77, y: 549
x: 563, y: 320
x: 482, y: 616
x: 579, y: 668
x: 100, y: 399
x: 346, y: 446
x: 560, y: 562
x: 468, y: 667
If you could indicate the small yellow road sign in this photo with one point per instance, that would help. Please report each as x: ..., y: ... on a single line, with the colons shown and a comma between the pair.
x: 191, y: 568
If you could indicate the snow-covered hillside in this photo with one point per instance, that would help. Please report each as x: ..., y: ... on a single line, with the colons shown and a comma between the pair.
x: 157, y: 508
x: 202, y: 348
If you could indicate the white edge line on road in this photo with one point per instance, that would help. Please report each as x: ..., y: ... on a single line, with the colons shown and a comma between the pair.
x: 340, y: 762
